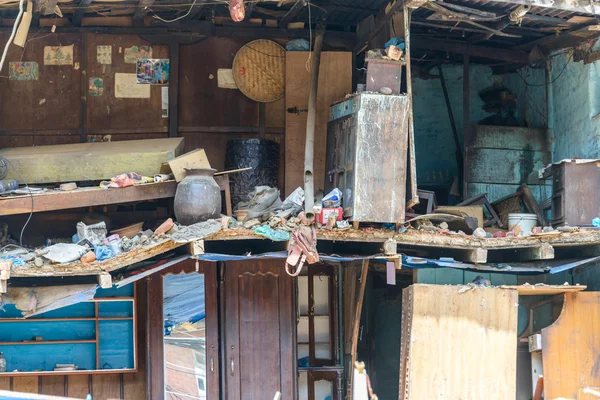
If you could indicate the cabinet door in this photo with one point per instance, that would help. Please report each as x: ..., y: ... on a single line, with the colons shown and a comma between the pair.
x: 259, y: 354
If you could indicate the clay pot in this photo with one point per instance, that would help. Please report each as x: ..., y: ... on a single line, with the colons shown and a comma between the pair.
x: 198, y: 197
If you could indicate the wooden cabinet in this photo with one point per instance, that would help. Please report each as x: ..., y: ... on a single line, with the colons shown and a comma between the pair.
x: 367, y: 146
x: 258, y: 335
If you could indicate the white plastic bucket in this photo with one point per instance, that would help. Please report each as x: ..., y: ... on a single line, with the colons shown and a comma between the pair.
x: 526, y: 222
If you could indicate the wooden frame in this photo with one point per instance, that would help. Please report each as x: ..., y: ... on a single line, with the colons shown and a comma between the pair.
x: 155, y: 332
x: 96, y: 341
x: 331, y: 273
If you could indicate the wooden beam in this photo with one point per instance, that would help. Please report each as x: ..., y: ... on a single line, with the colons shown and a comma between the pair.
x: 356, y: 322
x: 80, y: 12
x: 565, y: 39
x: 581, y: 6
x: 140, y: 12
x: 292, y: 14
x: 514, y: 56
x: 173, y: 88
x: 86, y: 197
x: 196, y: 9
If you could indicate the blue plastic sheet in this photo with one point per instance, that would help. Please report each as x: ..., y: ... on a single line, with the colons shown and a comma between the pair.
x: 183, y: 299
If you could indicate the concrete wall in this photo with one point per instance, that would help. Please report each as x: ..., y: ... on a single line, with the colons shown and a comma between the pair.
x: 575, y: 107
x: 434, y: 141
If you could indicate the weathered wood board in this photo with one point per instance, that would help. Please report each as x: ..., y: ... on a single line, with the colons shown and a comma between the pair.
x: 458, y: 345
x: 89, y: 161
x: 570, y: 347
x: 335, y: 82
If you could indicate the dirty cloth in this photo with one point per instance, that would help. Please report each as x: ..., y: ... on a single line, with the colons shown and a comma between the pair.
x: 297, y: 45
x: 196, y: 231
x: 276, y: 235
x: 31, y: 301
x: 125, y: 180
x: 64, y: 252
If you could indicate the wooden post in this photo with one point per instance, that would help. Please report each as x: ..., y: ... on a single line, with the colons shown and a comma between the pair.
x: 466, y: 110
x: 84, y: 90
x: 357, y: 313
x: 311, y: 121
x: 262, y: 120
x: 412, y: 196
x: 173, y: 88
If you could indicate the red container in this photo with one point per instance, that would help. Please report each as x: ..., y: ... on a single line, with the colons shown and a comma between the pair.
x: 322, y: 217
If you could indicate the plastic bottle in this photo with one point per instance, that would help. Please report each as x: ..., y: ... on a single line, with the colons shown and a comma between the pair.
x: 7, y: 185
x: 2, y: 362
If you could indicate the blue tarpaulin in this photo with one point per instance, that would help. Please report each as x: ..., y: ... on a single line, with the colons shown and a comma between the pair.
x: 183, y: 297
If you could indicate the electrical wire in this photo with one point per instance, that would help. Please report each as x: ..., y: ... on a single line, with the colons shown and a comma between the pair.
x: 178, y: 18
x: 12, y: 35
x: 7, y: 161
x: 553, y: 80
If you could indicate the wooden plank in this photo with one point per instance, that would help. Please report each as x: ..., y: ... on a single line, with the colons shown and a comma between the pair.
x: 441, y: 327
x: 356, y: 321
x: 53, y: 385
x: 4, y: 383
x: 106, y: 387
x: 544, y: 290
x: 57, y: 200
x: 78, y: 386
x: 89, y: 161
x: 514, y: 56
x: 26, y: 384
x: 574, y: 6
x: 335, y: 81
x: 569, y: 347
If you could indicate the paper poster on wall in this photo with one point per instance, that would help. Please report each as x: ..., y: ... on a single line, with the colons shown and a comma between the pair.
x: 58, y: 55
x: 152, y: 71
x: 104, y: 54
x: 133, y: 53
x: 164, y: 101
x: 95, y: 86
x: 126, y: 87
x: 225, y: 79
x: 23, y: 71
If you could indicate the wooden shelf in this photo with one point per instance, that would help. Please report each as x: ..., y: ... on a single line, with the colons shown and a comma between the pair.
x: 108, y: 299
x: 65, y: 319
x: 77, y: 372
x: 544, y: 290
x: 48, y: 342
x: 85, y: 197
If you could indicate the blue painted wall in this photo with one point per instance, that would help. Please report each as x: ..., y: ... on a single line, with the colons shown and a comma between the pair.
x: 575, y: 103
x: 434, y: 142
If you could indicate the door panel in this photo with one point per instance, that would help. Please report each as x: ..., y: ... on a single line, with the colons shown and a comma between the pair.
x: 259, y: 332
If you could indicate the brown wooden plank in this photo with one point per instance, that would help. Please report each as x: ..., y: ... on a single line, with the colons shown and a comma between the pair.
x: 356, y: 322
x: 52, y: 101
x: 107, y: 111
x: 134, y: 385
x: 445, y: 325
x: 56, y: 200
x: 335, y: 81
x: 202, y: 102
x: 25, y: 384
x: 569, y: 347
x: 78, y: 386
x: 106, y: 387
x: 544, y: 290
x: 5, y: 383
x: 53, y: 385
x: 155, y: 383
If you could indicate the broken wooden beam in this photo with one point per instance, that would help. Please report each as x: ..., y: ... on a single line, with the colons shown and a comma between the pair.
x: 105, y: 280
x: 513, y: 56
x: 292, y: 14
x: 580, y: 6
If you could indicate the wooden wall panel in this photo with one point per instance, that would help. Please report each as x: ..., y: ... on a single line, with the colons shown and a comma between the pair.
x: 53, y: 385
x: 570, y: 347
x: 458, y: 345
x: 26, y: 384
x: 5, y: 383
x: 335, y: 81
x: 201, y: 101
x: 106, y: 387
x: 108, y: 114
x: 78, y: 386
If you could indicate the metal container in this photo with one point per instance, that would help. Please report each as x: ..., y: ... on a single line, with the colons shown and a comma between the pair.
x: 198, y: 197
x: 367, y: 146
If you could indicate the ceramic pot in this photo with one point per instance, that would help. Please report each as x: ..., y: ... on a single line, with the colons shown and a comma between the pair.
x: 198, y: 197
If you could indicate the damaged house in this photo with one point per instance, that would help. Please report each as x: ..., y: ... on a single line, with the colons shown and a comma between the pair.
x: 299, y: 199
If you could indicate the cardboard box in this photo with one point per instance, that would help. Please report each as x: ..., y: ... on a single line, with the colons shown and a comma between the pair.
x: 469, y: 211
x: 194, y: 159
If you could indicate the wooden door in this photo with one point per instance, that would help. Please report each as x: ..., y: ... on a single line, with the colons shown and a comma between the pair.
x: 259, y: 335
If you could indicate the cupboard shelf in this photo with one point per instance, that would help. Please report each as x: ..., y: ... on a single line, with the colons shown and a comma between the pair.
x: 48, y: 342
x: 19, y: 320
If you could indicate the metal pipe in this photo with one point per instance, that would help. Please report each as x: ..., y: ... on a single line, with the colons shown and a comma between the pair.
x: 311, y: 122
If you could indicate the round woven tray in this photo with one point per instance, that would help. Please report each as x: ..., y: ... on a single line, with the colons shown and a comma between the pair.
x: 259, y: 70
